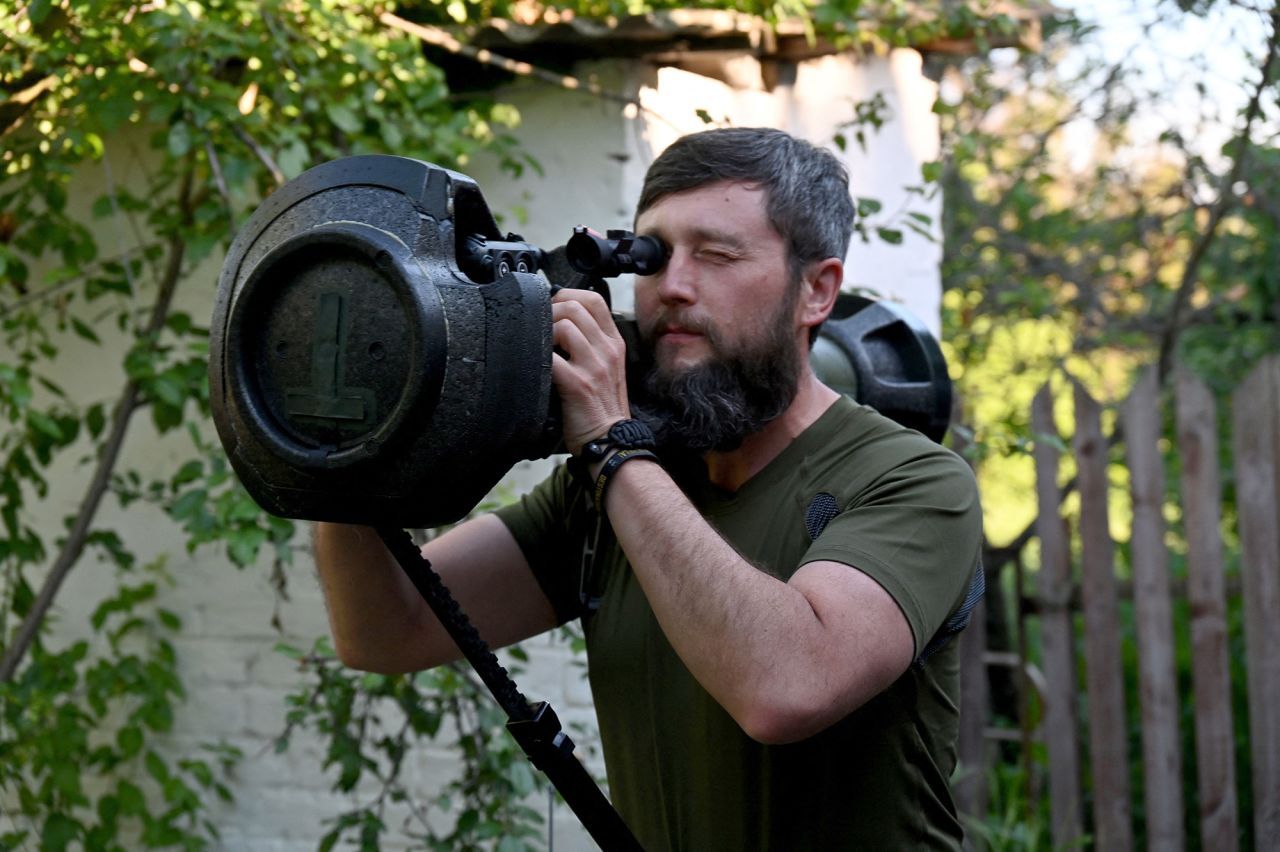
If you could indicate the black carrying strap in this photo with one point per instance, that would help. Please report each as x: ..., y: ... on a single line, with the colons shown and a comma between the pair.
x: 823, y: 508
x: 536, y: 728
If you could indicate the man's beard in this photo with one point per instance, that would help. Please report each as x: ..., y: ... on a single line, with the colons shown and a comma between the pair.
x: 713, y: 406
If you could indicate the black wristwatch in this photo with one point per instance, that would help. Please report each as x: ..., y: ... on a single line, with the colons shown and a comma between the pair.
x: 623, y: 435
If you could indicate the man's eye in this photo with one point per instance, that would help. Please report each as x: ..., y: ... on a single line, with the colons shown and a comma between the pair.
x: 718, y: 256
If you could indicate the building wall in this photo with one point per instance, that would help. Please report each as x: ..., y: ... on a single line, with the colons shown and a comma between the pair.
x: 593, y: 153
x: 594, y: 177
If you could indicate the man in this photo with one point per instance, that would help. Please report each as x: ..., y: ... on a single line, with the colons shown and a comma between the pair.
x: 760, y: 599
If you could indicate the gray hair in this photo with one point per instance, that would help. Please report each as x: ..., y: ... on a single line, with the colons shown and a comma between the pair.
x: 806, y: 188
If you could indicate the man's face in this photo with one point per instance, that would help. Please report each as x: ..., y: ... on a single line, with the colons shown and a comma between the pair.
x: 719, y: 318
x: 725, y: 278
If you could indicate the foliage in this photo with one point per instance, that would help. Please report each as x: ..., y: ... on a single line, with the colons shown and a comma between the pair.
x: 75, y: 765
x: 373, y: 722
x: 1014, y: 821
x: 1058, y: 255
x: 135, y: 138
x: 1077, y: 238
x: 850, y: 22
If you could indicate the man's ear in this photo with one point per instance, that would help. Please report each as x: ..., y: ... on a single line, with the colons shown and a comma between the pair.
x: 822, y: 282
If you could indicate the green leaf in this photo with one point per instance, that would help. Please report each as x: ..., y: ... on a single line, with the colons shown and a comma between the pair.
x: 179, y: 322
x: 521, y: 778
x: 108, y: 810
x: 188, y: 504
x: 156, y: 768
x: 242, y: 545
x: 129, y: 741
x: 868, y: 206
x: 890, y: 235
x: 58, y: 832
x: 179, y: 139
x: 95, y: 418
x: 931, y: 172
x: 38, y: 10
x: 392, y: 136
x: 66, y: 777
x: 132, y: 802
x: 341, y: 115
x: 330, y: 840
x: 85, y: 331
x: 19, y: 389
x: 44, y: 424
x: 468, y: 821
x: 200, y: 771
x: 293, y: 159
x: 187, y: 473
x: 169, y: 388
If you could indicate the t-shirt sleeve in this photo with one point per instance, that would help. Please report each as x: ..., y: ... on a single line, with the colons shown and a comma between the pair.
x: 917, y: 531
x: 546, y: 524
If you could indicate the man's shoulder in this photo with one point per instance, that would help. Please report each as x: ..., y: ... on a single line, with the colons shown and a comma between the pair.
x: 851, y: 429
x: 857, y: 446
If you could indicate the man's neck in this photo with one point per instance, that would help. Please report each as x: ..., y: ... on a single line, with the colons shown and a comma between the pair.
x: 730, y: 470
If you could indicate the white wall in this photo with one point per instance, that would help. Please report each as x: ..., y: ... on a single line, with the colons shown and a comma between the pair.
x: 593, y: 153
x: 815, y: 106
x: 593, y: 175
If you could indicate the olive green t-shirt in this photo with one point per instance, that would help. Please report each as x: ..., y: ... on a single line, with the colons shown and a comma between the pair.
x: 681, y: 772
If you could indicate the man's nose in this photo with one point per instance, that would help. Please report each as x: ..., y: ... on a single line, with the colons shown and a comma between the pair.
x: 674, y: 283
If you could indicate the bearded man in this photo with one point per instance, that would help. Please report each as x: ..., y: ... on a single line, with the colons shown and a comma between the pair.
x: 770, y: 564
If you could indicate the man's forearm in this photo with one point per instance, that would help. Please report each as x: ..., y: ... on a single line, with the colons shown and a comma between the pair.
x: 381, y: 623
x: 373, y: 608
x: 775, y: 655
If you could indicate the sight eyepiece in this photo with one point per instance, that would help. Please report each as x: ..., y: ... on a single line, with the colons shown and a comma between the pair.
x: 613, y: 254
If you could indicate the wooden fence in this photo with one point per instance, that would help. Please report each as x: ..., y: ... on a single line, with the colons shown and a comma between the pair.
x: 1084, y: 614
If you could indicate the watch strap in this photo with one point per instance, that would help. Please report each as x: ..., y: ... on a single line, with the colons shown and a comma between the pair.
x: 623, y: 435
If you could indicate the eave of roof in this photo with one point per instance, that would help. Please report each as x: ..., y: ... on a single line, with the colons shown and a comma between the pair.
x: 665, y: 35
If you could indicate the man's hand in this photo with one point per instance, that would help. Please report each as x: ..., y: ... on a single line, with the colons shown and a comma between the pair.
x: 591, y: 374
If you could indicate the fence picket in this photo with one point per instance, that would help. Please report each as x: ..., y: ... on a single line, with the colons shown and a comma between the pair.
x: 1153, y: 613
x: 1255, y: 404
x: 1271, y: 367
x: 970, y: 787
x: 1207, y: 601
x: 1104, y: 673
x: 1057, y: 637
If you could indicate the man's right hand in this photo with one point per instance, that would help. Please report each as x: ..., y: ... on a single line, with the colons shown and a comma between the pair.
x: 379, y: 621
x: 591, y: 376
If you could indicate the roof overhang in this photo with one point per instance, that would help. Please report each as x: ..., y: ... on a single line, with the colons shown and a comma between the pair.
x: 669, y: 37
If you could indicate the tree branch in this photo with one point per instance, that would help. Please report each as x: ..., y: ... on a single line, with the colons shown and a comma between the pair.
x: 1226, y: 200
x: 73, y: 547
x: 261, y: 153
x: 52, y: 290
